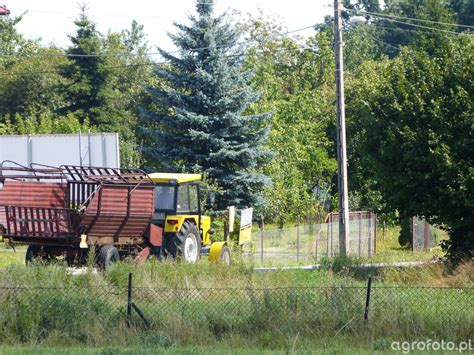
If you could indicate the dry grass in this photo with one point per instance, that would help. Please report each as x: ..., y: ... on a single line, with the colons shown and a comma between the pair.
x: 434, y: 274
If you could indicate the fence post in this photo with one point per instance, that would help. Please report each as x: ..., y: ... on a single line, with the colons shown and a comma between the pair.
x: 426, y: 235
x: 383, y: 230
x: 360, y: 232
x: 226, y: 231
x: 129, y: 298
x: 327, y: 239
x: 132, y: 306
x: 298, y: 241
x: 262, y: 226
x: 330, y: 223
x: 369, y: 222
x: 375, y: 233
x: 367, y: 299
x: 316, y: 245
x: 413, y: 234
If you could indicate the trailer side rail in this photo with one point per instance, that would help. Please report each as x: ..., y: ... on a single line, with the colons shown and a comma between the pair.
x: 31, y: 222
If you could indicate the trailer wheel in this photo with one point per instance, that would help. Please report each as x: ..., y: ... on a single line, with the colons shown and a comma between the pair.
x: 108, y: 255
x: 188, y: 243
x: 35, y: 252
x: 225, y: 257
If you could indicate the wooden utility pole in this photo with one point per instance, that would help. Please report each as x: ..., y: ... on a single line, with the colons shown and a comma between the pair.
x: 341, y: 135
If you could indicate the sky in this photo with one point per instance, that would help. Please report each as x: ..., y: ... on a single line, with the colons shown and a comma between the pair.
x: 52, y: 20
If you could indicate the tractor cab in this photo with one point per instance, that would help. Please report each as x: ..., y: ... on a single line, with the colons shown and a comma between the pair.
x: 177, y: 203
x: 175, y: 194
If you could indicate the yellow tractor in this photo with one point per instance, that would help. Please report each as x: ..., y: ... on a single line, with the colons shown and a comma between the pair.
x: 187, y: 233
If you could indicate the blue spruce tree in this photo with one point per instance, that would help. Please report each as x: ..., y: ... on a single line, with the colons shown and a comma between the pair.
x: 199, y: 124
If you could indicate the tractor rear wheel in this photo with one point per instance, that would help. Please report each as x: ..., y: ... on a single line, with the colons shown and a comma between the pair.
x: 188, y: 243
x: 108, y: 255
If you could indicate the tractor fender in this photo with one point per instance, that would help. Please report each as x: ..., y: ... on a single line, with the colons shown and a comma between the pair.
x: 215, y: 251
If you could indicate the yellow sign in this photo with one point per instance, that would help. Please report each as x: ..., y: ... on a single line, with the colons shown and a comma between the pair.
x: 245, y: 235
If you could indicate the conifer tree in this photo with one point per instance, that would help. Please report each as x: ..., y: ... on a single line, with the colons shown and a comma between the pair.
x: 84, y: 70
x: 200, y: 124
x: 107, y: 77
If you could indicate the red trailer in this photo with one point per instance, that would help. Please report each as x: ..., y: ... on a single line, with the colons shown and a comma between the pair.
x: 60, y: 212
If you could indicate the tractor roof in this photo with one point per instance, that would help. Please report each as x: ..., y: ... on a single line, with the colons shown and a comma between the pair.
x: 172, y: 178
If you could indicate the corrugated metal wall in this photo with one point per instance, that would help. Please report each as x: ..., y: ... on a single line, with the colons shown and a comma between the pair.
x: 31, y: 194
x: 111, y: 218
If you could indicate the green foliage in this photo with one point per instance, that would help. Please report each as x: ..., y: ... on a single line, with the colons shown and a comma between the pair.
x: 106, y: 81
x: 10, y: 40
x: 464, y: 10
x: 338, y: 264
x: 405, y: 237
x: 297, y: 85
x: 408, y: 99
x: 416, y: 136
x: 86, y: 78
x: 199, y: 123
x: 44, y: 92
x: 397, y: 34
x: 29, y: 81
x: 43, y: 124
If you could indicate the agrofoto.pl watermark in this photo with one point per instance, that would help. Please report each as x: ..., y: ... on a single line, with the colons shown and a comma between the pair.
x: 433, y: 345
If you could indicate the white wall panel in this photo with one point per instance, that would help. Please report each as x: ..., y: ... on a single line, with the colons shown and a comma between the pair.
x: 95, y: 149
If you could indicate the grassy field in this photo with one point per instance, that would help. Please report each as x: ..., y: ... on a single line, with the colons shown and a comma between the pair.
x: 185, y: 306
x: 9, y: 256
x: 57, y: 312
x: 282, y: 251
x: 388, y: 250
x: 334, y: 271
x: 335, y: 347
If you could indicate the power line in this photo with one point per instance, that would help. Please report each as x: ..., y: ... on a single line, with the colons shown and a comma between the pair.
x: 126, y: 66
x: 383, y: 42
x: 427, y: 27
x: 285, y: 34
x: 101, y: 68
x: 277, y: 35
x: 405, y: 30
x: 381, y: 16
x: 378, y: 14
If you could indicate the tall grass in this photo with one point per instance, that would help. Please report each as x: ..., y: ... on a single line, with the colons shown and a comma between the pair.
x: 181, y: 316
x: 208, y: 304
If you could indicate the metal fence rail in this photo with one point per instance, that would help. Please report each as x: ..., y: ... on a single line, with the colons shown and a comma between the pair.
x: 425, y: 311
x: 311, y: 242
x: 423, y: 234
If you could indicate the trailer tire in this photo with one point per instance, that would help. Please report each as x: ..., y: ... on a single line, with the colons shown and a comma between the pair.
x: 35, y: 252
x: 188, y: 243
x: 108, y: 255
x: 31, y: 254
x: 225, y: 256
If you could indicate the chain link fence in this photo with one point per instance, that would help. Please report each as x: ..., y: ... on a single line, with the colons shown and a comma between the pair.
x: 311, y: 242
x: 84, y: 312
x: 424, y: 235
